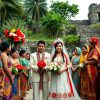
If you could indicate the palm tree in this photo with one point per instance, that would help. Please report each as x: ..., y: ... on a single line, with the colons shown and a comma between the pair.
x: 9, y: 8
x: 36, y: 9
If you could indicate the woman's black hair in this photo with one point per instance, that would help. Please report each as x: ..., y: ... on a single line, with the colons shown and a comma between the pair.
x: 4, y: 46
x: 84, y: 46
x: 0, y: 52
x: 13, y: 50
x: 22, y: 52
x: 41, y: 41
x: 56, y: 52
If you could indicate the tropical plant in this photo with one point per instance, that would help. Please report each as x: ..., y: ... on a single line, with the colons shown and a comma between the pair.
x: 9, y: 8
x: 72, y: 39
x: 53, y: 23
x: 36, y: 9
x: 15, y: 24
x: 70, y: 29
x: 64, y: 9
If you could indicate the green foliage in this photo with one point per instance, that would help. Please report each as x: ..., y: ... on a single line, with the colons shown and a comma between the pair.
x: 70, y: 28
x: 72, y: 39
x: 53, y: 23
x: 36, y: 8
x: 15, y: 24
x: 9, y: 8
x: 97, y: 25
x: 64, y: 9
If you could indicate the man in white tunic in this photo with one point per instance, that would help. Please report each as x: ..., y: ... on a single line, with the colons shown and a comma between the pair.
x: 40, y: 55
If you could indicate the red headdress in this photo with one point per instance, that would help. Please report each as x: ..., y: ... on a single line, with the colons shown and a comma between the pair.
x: 94, y: 40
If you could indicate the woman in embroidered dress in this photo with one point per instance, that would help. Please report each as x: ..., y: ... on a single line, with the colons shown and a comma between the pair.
x: 75, y: 69
x: 1, y: 83
x: 15, y: 62
x: 61, y: 86
x: 29, y: 72
x: 5, y: 47
x: 24, y: 76
x: 91, y: 67
x: 83, y: 72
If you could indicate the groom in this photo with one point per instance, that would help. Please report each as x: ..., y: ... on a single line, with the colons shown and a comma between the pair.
x: 40, y: 55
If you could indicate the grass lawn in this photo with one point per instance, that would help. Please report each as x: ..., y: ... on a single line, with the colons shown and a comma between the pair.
x: 40, y: 36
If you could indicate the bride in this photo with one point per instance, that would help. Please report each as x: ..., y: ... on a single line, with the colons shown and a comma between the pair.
x: 61, y: 85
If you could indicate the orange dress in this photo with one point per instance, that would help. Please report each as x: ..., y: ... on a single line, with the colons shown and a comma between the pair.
x: 92, y: 74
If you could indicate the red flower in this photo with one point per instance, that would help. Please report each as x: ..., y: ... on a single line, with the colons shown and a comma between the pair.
x: 54, y: 95
x: 20, y: 67
x: 69, y: 94
x: 19, y: 33
x: 16, y: 39
x: 23, y: 40
x: 6, y: 32
x: 41, y: 64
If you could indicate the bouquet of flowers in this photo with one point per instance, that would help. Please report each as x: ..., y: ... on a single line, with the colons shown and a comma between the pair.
x: 41, y: 64
x: 14, y: 71
x: 20, y: 67
x: 81, y: 65
x: 54, y: 66
x: 15, y: 35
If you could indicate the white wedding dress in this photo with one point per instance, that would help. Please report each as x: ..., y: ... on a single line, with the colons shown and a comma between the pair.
x: 61, y: 85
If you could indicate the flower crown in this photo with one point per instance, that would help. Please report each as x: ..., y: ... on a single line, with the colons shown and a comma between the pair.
x: 58, y: 40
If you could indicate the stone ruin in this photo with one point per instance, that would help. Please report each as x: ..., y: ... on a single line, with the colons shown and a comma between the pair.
x: 94, y: 13
x: 84, y: 28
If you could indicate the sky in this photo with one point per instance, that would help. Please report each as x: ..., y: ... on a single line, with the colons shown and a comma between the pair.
x: 83, y: 6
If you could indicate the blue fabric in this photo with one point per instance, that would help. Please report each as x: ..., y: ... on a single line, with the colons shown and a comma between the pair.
x: 24, y: 62
x: 79, y: 50
x: 0, y: 64
x: 15, y: 86
x: 76, y: 60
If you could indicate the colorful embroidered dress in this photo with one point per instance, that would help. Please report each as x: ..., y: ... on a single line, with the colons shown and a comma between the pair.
x: 75, y: 74
x: 91, y: 75
x: 82, y: 73
x: 23, y: 77
x: 7, y: 86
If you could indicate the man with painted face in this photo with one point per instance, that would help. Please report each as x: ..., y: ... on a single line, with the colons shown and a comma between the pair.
x: 40, y: 55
